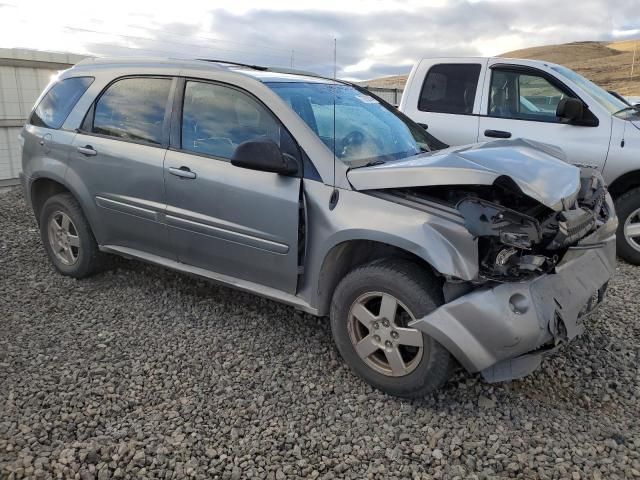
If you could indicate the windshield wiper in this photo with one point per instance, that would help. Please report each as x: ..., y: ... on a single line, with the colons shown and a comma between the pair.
x: 626, y: 109
x: 373, y: 163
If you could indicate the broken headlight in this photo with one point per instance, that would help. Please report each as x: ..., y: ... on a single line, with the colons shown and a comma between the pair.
x: 506, y: 239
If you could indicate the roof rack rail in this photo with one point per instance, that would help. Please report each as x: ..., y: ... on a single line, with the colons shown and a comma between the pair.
x: 236, y: 64
x: 265, y: 69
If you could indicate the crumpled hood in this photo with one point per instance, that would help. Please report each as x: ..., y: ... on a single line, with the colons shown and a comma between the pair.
x: 538, y: 169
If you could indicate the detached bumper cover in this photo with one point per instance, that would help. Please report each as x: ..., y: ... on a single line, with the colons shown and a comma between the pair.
x: 488, y: 328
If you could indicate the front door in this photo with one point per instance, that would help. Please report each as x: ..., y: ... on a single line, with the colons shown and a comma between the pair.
x: 119, y: 155
x: 229, y: 220
x: 522, y: 104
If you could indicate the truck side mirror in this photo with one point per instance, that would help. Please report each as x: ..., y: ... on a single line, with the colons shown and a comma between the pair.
x: 570, y: 110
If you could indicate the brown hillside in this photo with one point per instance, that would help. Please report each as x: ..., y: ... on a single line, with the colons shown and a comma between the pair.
x: 606, y: 63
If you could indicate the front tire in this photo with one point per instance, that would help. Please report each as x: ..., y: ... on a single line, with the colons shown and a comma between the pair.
x: 628, y: 234
x: 67, y: 237
x: 370, y: 312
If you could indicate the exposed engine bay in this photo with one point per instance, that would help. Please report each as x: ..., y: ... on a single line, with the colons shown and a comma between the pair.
x: 519, y: 237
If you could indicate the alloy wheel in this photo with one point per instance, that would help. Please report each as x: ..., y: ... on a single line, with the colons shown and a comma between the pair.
x: 63, y: 238
x: 632, y: 230
x: 378, y: 329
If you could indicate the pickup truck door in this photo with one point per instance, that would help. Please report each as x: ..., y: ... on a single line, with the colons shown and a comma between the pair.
x: 445, y: 95
x: 520, y: 102
x: 229, y: 220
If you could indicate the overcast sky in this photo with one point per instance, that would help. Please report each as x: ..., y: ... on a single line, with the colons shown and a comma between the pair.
x: 374, y: 37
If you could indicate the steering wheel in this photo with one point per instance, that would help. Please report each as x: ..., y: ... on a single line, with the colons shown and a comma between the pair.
x: 355, y: 138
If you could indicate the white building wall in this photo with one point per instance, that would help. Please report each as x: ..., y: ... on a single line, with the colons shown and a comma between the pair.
x: 23, y: 76
x: 10, y: 163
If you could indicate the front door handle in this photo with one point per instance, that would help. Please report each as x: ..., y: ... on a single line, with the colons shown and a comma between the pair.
x: 87, y: 150
x: 497, y: 134
x: 182, y: 172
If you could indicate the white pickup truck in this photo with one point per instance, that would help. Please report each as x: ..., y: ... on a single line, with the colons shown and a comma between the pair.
x: 467, y: 100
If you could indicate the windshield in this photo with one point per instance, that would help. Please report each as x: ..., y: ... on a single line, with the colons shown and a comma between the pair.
x: 366, y: 131
x: 604, y: 98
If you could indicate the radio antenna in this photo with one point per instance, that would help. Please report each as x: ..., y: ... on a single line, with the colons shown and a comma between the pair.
x: 335, y: 61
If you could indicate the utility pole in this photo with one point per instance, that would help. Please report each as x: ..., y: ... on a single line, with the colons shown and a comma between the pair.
x: 291, y: 58
x: 633, y: 62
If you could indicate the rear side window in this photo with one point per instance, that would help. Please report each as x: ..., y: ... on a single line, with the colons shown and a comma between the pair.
x: 55, y: 106
x: 216, y: 119
x: 450, y: 88
x: 133, y: 109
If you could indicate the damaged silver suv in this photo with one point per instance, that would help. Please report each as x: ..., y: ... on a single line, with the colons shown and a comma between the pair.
x: 315, y: 193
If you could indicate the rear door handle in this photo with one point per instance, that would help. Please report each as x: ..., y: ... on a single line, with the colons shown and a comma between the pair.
x: 182, y: 172
x: 87, y: 150
x: 497, y: 134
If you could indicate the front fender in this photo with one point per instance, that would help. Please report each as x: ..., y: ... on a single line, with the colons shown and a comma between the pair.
x: 441, y: 242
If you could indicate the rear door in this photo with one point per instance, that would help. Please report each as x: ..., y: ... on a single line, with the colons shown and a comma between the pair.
x: 445, y: 96
x: 521, y: 102
x: 229, y: 220
x: 118, y: 155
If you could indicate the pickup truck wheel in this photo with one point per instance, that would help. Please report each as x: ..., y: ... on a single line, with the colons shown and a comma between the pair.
x: 67, y: 237
x: 628, y: 235
x: 371, y: 310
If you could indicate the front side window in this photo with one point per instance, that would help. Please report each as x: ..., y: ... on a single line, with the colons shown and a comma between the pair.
x: 604, y: 98
x: 55, y: 106
x: 133, y: 109
x: 354, y: 125
x: 523, y: 96
x: 450, y: 88
x: 217, y: 118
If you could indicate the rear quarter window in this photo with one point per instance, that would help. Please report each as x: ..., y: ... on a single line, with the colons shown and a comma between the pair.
x: 450, y: 88
x: 55, y: 106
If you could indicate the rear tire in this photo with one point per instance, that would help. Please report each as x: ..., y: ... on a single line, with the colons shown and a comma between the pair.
x: 628, y: 210
x: 67, y: 237
x: 389, y: 356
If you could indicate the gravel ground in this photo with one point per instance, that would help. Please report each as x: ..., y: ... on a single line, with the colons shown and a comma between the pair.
x: 141, y: 372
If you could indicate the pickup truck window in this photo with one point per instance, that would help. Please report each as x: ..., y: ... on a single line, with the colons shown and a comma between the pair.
x: 604, y: 98
x: 523, y: 96
x: 450, y: 88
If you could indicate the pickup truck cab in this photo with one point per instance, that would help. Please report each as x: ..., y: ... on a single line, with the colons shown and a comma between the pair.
x: 468, y: 100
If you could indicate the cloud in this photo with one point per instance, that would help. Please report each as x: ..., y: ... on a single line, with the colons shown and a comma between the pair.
x: 459, y: 27
x: 373, y: 38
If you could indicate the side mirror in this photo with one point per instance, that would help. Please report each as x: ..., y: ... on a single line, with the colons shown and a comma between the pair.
x: 570, y: 110
x: 263, y: 155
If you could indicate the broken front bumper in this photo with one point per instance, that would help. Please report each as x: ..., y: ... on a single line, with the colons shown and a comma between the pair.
x: 500, y: 331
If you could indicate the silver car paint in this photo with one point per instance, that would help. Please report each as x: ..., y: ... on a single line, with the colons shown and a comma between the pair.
x: 493, y: 331
x: 237, y: 222
x: 539, y: 174
x: 131, y: 190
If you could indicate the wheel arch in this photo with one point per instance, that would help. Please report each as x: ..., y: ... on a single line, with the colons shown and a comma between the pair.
x: 44, y: 187
x: 624, y: 183
x: 343, y: 257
